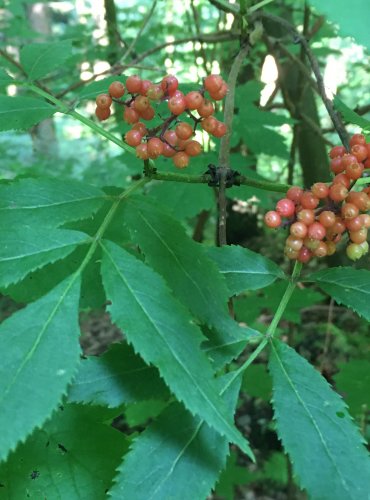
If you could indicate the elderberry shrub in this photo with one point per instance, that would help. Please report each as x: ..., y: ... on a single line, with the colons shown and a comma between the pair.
x: 174, y: 137
x: 319, y: 218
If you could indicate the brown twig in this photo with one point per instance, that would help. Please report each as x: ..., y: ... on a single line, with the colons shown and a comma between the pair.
x: 140, y: 31
x: 200, y: 225
x: 117, y: 69
x: 224, y: 156
x: 292, y: 155
x: 197, y: 25
x: 335, y: 118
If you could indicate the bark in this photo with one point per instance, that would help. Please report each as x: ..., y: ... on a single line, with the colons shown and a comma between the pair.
x: 112, y: 31
x: 310, y: 144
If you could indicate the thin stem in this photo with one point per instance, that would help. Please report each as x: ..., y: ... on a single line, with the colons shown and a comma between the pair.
x: 258, y: 6
x: 221, y: 36
x: 284, y: 300
x: 107, y: 220
x: 335, y: 118
x: 142, y: 28
x: 63, y: 108
x: 204, y: 179
x: 165, y: 176
x: 246, y: 363
x: 224, y: 156
x: 229, y: 106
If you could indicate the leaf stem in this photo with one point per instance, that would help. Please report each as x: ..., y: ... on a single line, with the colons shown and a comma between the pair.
x: 246, y: 363
x: 284, y: 300
x: 272, y: 328
x: 258, y: 6
x: 107, y: 220
x: 63, y: 108
x: 164, y: 176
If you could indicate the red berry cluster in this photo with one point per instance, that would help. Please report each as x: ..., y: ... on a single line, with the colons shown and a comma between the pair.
x: 173, y: 138
x: 322, y: 216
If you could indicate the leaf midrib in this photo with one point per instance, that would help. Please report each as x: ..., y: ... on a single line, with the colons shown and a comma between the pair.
x: 108, y: 377
x: 311, y: 417
x: 187, y: 372
x: 44, y: 107
x: 174, y: 256
x: 36, y: 61
x: 39, y: 337
x: 58, y: 204
x: 40, y: 252
x: 350, y: 287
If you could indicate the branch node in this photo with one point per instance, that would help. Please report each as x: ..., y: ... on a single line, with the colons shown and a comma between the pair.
x: 232, y: 177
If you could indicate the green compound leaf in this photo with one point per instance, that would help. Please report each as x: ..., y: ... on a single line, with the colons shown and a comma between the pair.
x: 347, y: 286
x: 349, y: 115
x: 39, y: 59
x: 74, y: 456
x: 119, y: 376
x: 21, y: 113
x: 312, y: 421
x: 349, y: 15
x: 26, y: 248
x: 186, y: 201
x: 244, y: 269
x: 5, y: 79
x: 193, y: 277
x: 40, y: 354
x: 160, y: 329
x: 353, y: 382
x: 47, y: 201
x: 178, y: 456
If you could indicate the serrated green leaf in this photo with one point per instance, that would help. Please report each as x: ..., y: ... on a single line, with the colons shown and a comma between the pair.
x: 186, y: 201
x: 324, y: 445
x: 178, y: 456
x: 40, y: 354
x: 73, y: 456
x: 21, y: 113
x: 244, y: 269
x: 47, y: 201
x: 38, y: 283
x: 349, y: 15
x: 26, y: 248
x: 347, y: 286
x: 160, y: 329
x: 193, y: 277
x: 119, y: 376
x: 353, y: 382
x: 140, y: 412
x: 349, y: 115
x: 39, y: 59
x: 5, y: 79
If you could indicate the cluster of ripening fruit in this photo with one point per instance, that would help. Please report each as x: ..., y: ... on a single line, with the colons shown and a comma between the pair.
x: 173, y: 137
x: 319, y: 218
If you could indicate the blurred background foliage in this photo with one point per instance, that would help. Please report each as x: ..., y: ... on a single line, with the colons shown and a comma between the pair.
x: 281, y: 132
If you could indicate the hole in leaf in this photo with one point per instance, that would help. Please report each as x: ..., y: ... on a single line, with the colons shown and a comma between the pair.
x: 340, y: 414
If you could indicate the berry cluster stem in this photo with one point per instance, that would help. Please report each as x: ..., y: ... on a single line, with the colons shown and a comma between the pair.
x: 164, y: 176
